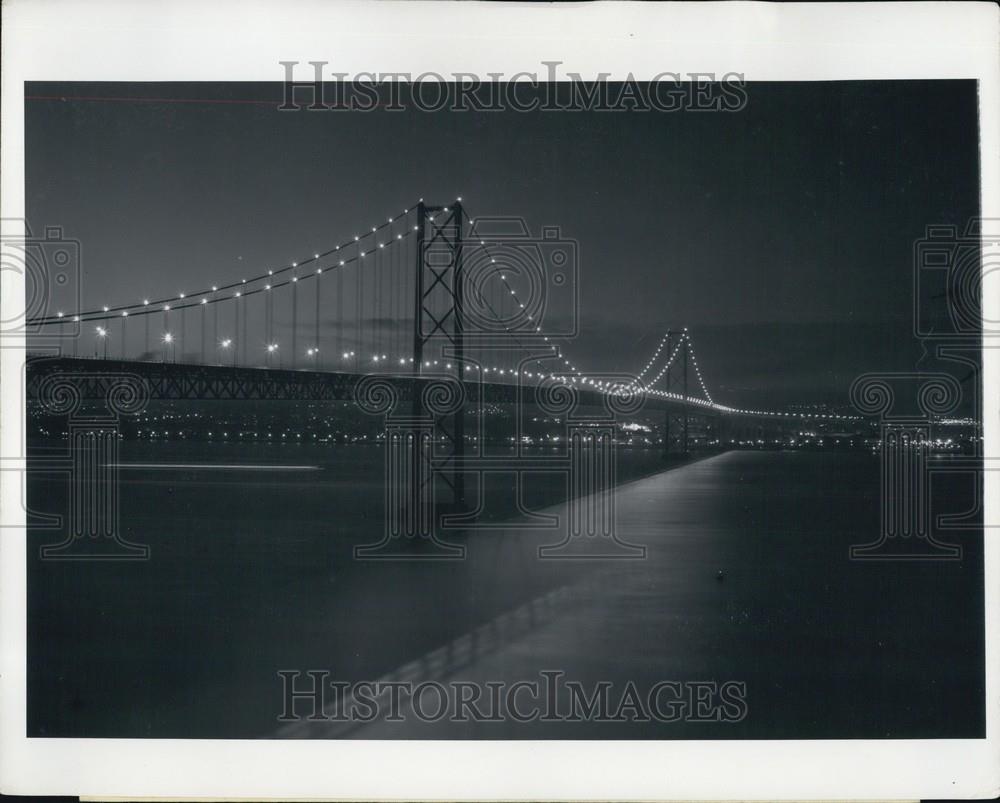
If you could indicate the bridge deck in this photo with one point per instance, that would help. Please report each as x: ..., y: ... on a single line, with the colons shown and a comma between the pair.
x: 160, y: 380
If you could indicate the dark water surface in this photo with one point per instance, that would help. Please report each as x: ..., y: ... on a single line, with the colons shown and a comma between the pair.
x: 252, y: 571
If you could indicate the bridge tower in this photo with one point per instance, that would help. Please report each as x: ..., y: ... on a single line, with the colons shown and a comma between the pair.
x: 676, y: 422
x: 439, y: 318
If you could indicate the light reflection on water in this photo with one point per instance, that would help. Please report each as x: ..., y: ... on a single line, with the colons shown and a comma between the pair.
x: 253, y: 571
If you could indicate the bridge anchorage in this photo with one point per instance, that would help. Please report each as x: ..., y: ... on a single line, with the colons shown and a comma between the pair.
x: 430, y: 320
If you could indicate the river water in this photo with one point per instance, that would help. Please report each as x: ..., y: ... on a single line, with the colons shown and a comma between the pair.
x: 252, y: 571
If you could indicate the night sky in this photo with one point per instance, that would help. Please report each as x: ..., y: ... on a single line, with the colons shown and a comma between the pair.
x: 781, y: 235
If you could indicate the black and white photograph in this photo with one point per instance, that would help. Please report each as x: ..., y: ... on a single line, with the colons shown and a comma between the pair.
x: 560, y: 408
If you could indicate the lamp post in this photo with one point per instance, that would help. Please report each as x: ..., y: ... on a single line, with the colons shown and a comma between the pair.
x: 168, y: 346
x: 225, y: 345
x: 124, y: 331
x: 102, y: 335
x: 347, y: 357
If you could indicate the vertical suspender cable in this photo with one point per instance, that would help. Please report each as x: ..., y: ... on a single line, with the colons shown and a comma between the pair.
x: 316, y: 344
x: 295, y: 321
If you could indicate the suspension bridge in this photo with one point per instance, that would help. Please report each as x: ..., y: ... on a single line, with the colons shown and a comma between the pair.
x: 426, y: 292
x: 424, y: 319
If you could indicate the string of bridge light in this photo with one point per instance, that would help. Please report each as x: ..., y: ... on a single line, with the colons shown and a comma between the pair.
x: 746, y: 410
x: 405, y: 361
x: 210, y: 296
x: 659, y: 348
x: 156, y: 307
x: 697, y: 370
x: 708, y: 402
x: 689, y: 341
x: 390, y: 361
x: 612, y: 388
x: 680, y: 343
x: 685, y: 338
x: 503, y: 279
x: 579, y: 375
x: 608, y: 387
x: 248, y: 287
x: 558, y: 352
x: 779, y: 413
x: 557, y: 349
